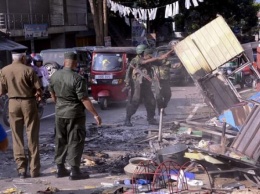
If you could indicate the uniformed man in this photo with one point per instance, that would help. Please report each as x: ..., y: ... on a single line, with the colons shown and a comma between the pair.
x: 24, y: 90
x: 69, y: 91
x: 163, y: 90
x: 139, y: 78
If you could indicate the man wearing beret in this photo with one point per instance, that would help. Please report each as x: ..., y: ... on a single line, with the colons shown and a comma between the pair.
x: 69, y: 91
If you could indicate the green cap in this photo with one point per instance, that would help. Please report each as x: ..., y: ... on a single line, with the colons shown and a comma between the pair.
x: 70, y: 55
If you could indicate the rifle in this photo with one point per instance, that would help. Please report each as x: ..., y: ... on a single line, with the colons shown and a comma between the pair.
x: 141, y: 73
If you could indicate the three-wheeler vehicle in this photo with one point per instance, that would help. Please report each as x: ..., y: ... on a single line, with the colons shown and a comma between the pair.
x: 108, y: 70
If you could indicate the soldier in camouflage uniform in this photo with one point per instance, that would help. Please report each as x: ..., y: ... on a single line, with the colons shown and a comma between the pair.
x: 139, y: 78
x: 162, y: 88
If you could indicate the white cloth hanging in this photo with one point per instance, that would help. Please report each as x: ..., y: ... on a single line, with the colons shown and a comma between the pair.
x: 187, y: 4
x: 135, y: 13
x: 127, y: 11
x: 113, y: 6
x: 120, y: 10
x: 195, y: 3
x: 177, y: 7
x: 152, y: 13
x: 168, y: 11
x: 201, y: 1
x: 142, y: 14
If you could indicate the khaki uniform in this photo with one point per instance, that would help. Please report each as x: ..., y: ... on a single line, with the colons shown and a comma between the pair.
x: 21, y: 82
x: 69, y: 88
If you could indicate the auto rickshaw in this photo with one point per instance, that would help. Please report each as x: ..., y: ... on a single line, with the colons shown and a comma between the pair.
x: 107, y: 74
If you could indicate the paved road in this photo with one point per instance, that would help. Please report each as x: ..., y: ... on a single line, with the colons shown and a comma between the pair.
x: 184, y: 103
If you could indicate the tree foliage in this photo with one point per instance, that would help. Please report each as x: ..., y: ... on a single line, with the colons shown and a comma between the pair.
x: 240, y: 14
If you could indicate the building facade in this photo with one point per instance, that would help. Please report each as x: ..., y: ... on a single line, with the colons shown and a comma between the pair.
x: 47, y: 24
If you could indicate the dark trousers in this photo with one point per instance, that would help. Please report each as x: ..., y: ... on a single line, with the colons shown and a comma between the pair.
x: 164, y: 95
x: 24, y: 113
x: 141, y: 92
x: 69, y: 140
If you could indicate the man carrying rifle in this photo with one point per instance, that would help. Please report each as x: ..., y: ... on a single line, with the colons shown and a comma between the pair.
x: 139, y: 79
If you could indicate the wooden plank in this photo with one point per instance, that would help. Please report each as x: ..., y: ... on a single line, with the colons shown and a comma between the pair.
x: 204, y: 47
x: 205, y: 44
x: 181, y: 50
x: 195, y: 56
x: 222, y: 39
x: 232, y: 44
x: 207, y: 130
x: 220, y: 99
x: 217, y: 44
x: 190, y: 57
x: 247, y: 141
x: 208, y: 48
x: 238, y: 144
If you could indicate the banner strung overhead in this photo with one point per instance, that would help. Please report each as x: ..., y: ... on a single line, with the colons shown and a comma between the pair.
x: 150, y: 14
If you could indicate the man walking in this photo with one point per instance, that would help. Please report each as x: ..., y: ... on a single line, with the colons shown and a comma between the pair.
x: 24, y: 89
x: 69, y: 92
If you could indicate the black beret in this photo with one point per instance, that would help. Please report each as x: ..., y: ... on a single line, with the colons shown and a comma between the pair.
x: 70, y: 55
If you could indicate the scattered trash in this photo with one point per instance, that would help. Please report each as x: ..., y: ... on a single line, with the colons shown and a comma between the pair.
x: 10, y: 191
x: 233, y: 185
x: 116, y: 190
x: 49, y: 190
x: 194, y: 182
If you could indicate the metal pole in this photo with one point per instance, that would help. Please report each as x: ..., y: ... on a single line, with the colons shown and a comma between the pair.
x: 223, y: 138
x: 160, y: 126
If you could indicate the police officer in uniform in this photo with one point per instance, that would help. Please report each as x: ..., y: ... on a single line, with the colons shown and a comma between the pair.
x: 24, y: 90
x: 69, y: 91
x: 139, y: 78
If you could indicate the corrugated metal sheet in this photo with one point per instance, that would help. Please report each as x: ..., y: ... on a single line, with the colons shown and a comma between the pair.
x: 220, y: 94
x: 208, y: 48
x: 247, y: 141
x: 9, y: 45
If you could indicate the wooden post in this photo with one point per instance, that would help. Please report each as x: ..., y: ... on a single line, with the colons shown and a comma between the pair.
x: 223, y: 138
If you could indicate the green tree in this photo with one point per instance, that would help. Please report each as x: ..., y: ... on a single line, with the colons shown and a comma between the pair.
x: 239, y: 14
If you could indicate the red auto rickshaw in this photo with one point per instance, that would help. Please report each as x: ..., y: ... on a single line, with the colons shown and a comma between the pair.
x: 108, y: 69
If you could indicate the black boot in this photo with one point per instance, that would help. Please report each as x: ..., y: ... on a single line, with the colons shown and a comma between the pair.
x: 62, y: 171
x: 128, y: 122
x: 75, y: 174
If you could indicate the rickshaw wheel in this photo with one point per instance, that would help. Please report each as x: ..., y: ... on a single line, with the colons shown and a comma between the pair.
x: 103, y: 103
